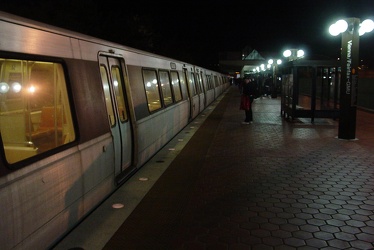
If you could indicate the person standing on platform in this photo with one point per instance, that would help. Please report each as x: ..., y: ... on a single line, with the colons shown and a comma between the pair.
x: 248, y: 93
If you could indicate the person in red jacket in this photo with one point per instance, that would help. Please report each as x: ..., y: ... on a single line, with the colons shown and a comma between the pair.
x: 248, y: 93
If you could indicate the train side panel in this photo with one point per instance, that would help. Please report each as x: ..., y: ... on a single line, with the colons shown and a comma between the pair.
x: 65, y: 172
x: 50, y: 195
x: 208, y: 83
x: 33, y: 41
x: 192, y: 91
x: 155, y: 129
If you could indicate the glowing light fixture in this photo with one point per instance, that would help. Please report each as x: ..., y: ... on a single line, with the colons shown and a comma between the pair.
x: 4, y: 87
x: 287, y: 53
x: 300, y: 53
x: 339, y: 27
x: 31, y: 89
x: 293, y: 54
x: 366, y: 26
x: 16, y: 86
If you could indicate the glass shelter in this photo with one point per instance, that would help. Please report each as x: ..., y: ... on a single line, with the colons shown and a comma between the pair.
x: 310, y: 89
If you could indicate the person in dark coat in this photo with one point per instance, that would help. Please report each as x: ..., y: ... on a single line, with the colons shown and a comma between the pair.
x: 248, y: 93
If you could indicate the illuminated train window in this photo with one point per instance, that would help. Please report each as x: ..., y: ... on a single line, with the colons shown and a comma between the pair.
x: 152, y: 89
x: 176, y: 85
x: 34, y: 108
x: 117, y: 87
x: 165, y: 87
x: 192, y: 85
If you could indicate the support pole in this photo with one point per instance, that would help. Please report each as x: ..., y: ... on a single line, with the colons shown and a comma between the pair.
x: 349, y: 80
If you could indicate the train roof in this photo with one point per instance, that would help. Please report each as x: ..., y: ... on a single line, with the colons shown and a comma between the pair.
x: 18, y: 20
x: 26, y: 22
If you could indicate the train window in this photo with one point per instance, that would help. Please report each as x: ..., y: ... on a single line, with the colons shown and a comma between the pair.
x: 202, y: 82
x: 117, y: 85
x: 175, y: 83
x: 151, y: 89
x: 34, y: 108
x: 108, y: 99
x: 192, y: 84
x: 165, y: 87
x: 215, y: 81
x: 209, y: 81
x: 198, y: 83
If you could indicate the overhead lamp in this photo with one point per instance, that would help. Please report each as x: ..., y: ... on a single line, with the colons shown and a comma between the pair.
x: 16, y: 87
x: 293, y: 54
x: 339, y: 27
x: 287, y: 53
x: 4, y: 87
x: 366, y: 26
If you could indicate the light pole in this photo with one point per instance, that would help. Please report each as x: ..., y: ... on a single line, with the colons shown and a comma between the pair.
x: 350, y: 29
x: 293, y: 54
x: 275, y: 68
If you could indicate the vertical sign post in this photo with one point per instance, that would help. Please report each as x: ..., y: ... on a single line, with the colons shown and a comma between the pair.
x: 349, y: 80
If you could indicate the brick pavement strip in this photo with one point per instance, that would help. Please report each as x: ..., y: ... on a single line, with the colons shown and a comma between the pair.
x: 284, y: 184
x: 272, y: 184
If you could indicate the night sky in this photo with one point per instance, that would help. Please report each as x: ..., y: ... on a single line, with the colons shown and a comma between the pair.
x: 197, y: 31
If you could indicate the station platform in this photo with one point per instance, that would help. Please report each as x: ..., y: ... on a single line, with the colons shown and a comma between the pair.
x: 221, y: 184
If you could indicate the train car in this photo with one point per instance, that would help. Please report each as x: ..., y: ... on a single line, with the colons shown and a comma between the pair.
x: 78, y: 116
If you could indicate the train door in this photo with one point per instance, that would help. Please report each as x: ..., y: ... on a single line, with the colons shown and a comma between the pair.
x: 113, y: 80
x: 204, y: 87
x: 195, y: 95
x: 200, y: 91
x: 189, y: 92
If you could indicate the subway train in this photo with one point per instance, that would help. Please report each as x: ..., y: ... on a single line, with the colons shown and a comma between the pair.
x: 78, y: 116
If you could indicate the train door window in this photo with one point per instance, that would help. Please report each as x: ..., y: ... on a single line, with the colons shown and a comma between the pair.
x: 203, y: 87
x: 35, y: 112
x: 151, y: 89
x: 209, y: 81
x: 206, y: 81
x: 108, y: 99
x: 216, y: 81
x: 183, y: 80
x: 198, y: 83
x: 192, y: 84
x: 175, y: 83
x: 117, y: 84
x: 165, y: 87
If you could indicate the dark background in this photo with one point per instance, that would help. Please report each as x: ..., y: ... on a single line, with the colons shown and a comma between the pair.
x: 197, y: 32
